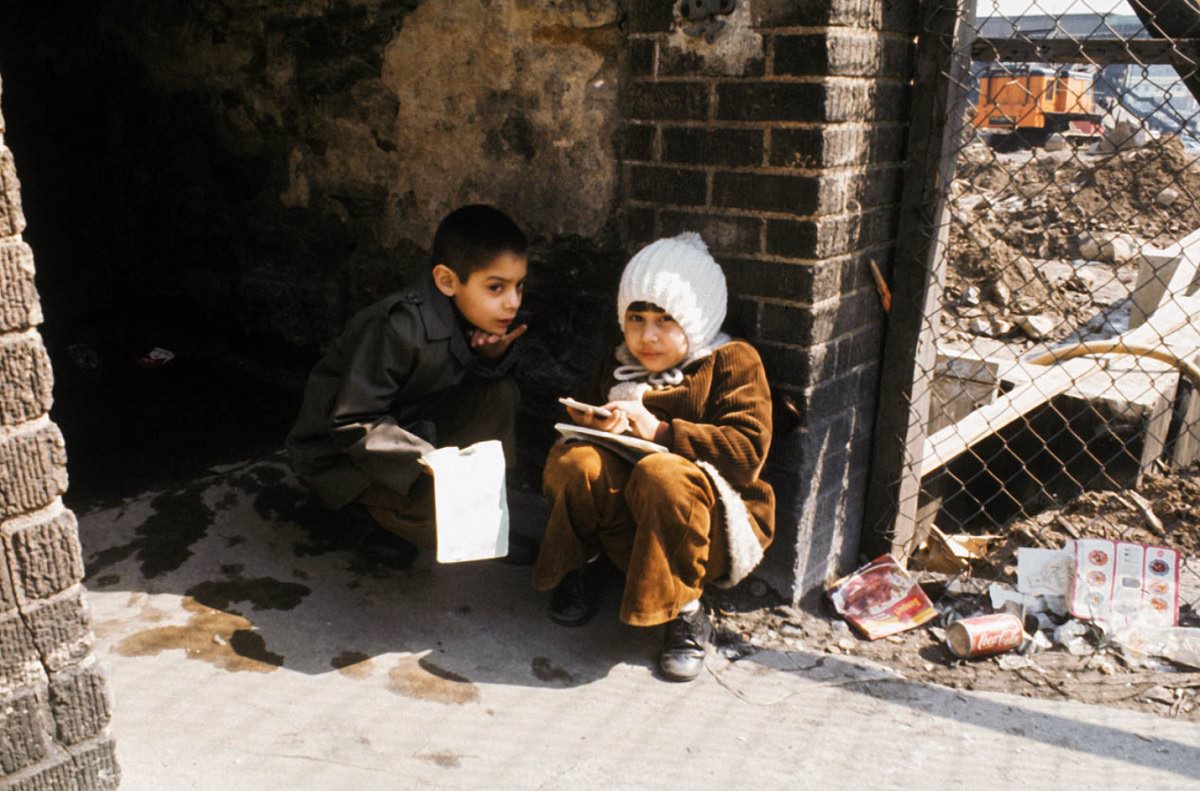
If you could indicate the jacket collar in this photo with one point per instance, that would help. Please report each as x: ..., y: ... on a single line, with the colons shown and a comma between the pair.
x: 441, y: 319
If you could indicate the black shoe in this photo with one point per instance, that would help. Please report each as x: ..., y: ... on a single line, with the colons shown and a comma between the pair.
x: 682, y: 656
x: 522, y: 550
x: 577, y: 597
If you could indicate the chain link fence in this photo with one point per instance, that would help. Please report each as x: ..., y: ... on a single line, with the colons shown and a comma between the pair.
x: 1060, y: 391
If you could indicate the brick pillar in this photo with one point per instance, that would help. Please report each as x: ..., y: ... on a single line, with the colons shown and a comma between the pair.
x: 782, y: 142
x: 54, y: 707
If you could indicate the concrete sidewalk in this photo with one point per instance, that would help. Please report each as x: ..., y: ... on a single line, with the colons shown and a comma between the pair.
x: 246, y: 648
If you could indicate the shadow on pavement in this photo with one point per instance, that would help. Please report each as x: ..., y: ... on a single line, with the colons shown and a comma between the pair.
x: 261, y: 578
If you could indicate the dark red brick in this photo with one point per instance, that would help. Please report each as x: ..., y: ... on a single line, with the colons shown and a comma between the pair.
x: 830, y: 236
x: 770, y: 101
x: 674, y: 186
x: 721, y: 232
x: 641, y: 56
x: 700, y: 146
x: 636, y: 142
x: 766, y: 192
x: 649, y: 16
x: 666, y: 101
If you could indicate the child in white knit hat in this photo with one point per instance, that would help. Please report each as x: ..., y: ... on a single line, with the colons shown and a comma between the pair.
x: 677, y: 521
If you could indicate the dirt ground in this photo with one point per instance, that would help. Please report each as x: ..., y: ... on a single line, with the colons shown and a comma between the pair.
x: 1100, y: 675
x: 1019, y: 223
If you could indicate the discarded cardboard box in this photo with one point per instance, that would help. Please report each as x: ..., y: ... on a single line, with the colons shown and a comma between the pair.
x: 950, y: 554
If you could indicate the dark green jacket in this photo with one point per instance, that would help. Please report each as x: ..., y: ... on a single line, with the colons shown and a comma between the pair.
x: 369, y: 403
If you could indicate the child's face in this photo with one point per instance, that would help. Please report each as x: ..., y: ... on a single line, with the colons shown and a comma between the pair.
x: 490, y: 297
x: 655, y: 339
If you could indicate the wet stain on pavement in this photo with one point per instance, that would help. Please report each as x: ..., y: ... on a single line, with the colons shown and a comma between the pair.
x: 164, y: 540
x: 224, y: 639
x: 545, y: 670
x: 263, y: 593
x: 423, y: 680
x: 353, y: 664
x: 447, y: 759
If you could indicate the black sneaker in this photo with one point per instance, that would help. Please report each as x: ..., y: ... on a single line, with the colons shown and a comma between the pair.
x: 577, y: 596
x: 682, y: 656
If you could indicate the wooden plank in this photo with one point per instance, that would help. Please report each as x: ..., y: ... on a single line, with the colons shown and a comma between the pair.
x: 954, y: 440
x: 1187, y: 441
x: 961, y: 384
x: 1097, y: 51
x: 935, y: 134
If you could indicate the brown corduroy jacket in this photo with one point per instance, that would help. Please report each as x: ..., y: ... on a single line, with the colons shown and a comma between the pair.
x: 721, y: 414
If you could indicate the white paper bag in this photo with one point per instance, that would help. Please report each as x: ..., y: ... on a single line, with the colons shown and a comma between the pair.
x: 470, y: 501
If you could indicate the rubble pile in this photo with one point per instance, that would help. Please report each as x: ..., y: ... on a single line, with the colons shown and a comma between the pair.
x: 1043, y: 242
x: 1063, y: 657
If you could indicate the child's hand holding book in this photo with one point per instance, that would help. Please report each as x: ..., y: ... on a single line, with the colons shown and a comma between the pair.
x: 618, y: 417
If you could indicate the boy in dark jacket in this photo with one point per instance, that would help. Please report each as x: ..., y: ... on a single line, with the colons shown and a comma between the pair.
x: 424, y: 367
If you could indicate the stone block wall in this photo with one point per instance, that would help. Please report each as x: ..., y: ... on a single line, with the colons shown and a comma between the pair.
x: 782, y: 143
x: 54, y: 705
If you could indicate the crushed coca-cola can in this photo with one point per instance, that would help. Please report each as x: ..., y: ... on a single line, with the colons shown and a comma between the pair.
x: 984, y: 635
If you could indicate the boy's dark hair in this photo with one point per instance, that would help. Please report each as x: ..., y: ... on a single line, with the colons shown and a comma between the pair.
x: 471, y: 236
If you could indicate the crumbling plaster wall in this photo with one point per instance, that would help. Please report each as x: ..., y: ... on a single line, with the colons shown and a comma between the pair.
x: 277, y: 164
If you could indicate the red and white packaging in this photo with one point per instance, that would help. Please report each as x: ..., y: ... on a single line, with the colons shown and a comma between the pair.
x: 1118, y: 583
x: 881, y: 599
x: 984, y: 635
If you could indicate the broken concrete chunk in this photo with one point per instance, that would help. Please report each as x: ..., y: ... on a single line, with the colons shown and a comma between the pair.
x: 1119, y: 248
x: 998, y: 293
x: 980, y: 327
x: 1036, y: 327
x: 970, y: 296
x: 1089, y: 248
x: 1167, y: 197
x: 1000, y: 328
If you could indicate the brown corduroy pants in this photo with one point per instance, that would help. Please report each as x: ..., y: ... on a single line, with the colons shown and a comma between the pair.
x: 478, y: 410
x: 659, y: 521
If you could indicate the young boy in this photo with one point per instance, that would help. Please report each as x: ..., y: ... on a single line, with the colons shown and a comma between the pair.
x: 424, y: 367
x: 673, y: 522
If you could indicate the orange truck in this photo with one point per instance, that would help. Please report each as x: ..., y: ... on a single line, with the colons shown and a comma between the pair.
x: 1030, y: 103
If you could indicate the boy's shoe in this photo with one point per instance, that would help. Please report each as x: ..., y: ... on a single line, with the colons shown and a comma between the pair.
x: 522, y: 550
x: 577, y: 596
x: 682, y: 656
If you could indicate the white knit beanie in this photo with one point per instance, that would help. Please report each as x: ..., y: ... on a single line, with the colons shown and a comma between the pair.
x: 680, y: 276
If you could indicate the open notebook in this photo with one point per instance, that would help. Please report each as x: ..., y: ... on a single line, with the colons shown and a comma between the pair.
x: 625, y: 445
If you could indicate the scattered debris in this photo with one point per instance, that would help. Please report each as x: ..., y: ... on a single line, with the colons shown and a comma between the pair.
x: 1176, y: 643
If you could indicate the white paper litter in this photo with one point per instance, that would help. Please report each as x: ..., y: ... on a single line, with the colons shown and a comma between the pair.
x: 470, y: 501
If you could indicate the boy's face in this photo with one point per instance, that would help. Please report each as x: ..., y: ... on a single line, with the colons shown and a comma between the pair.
x: 491, y: 295
x: 655, y: 339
